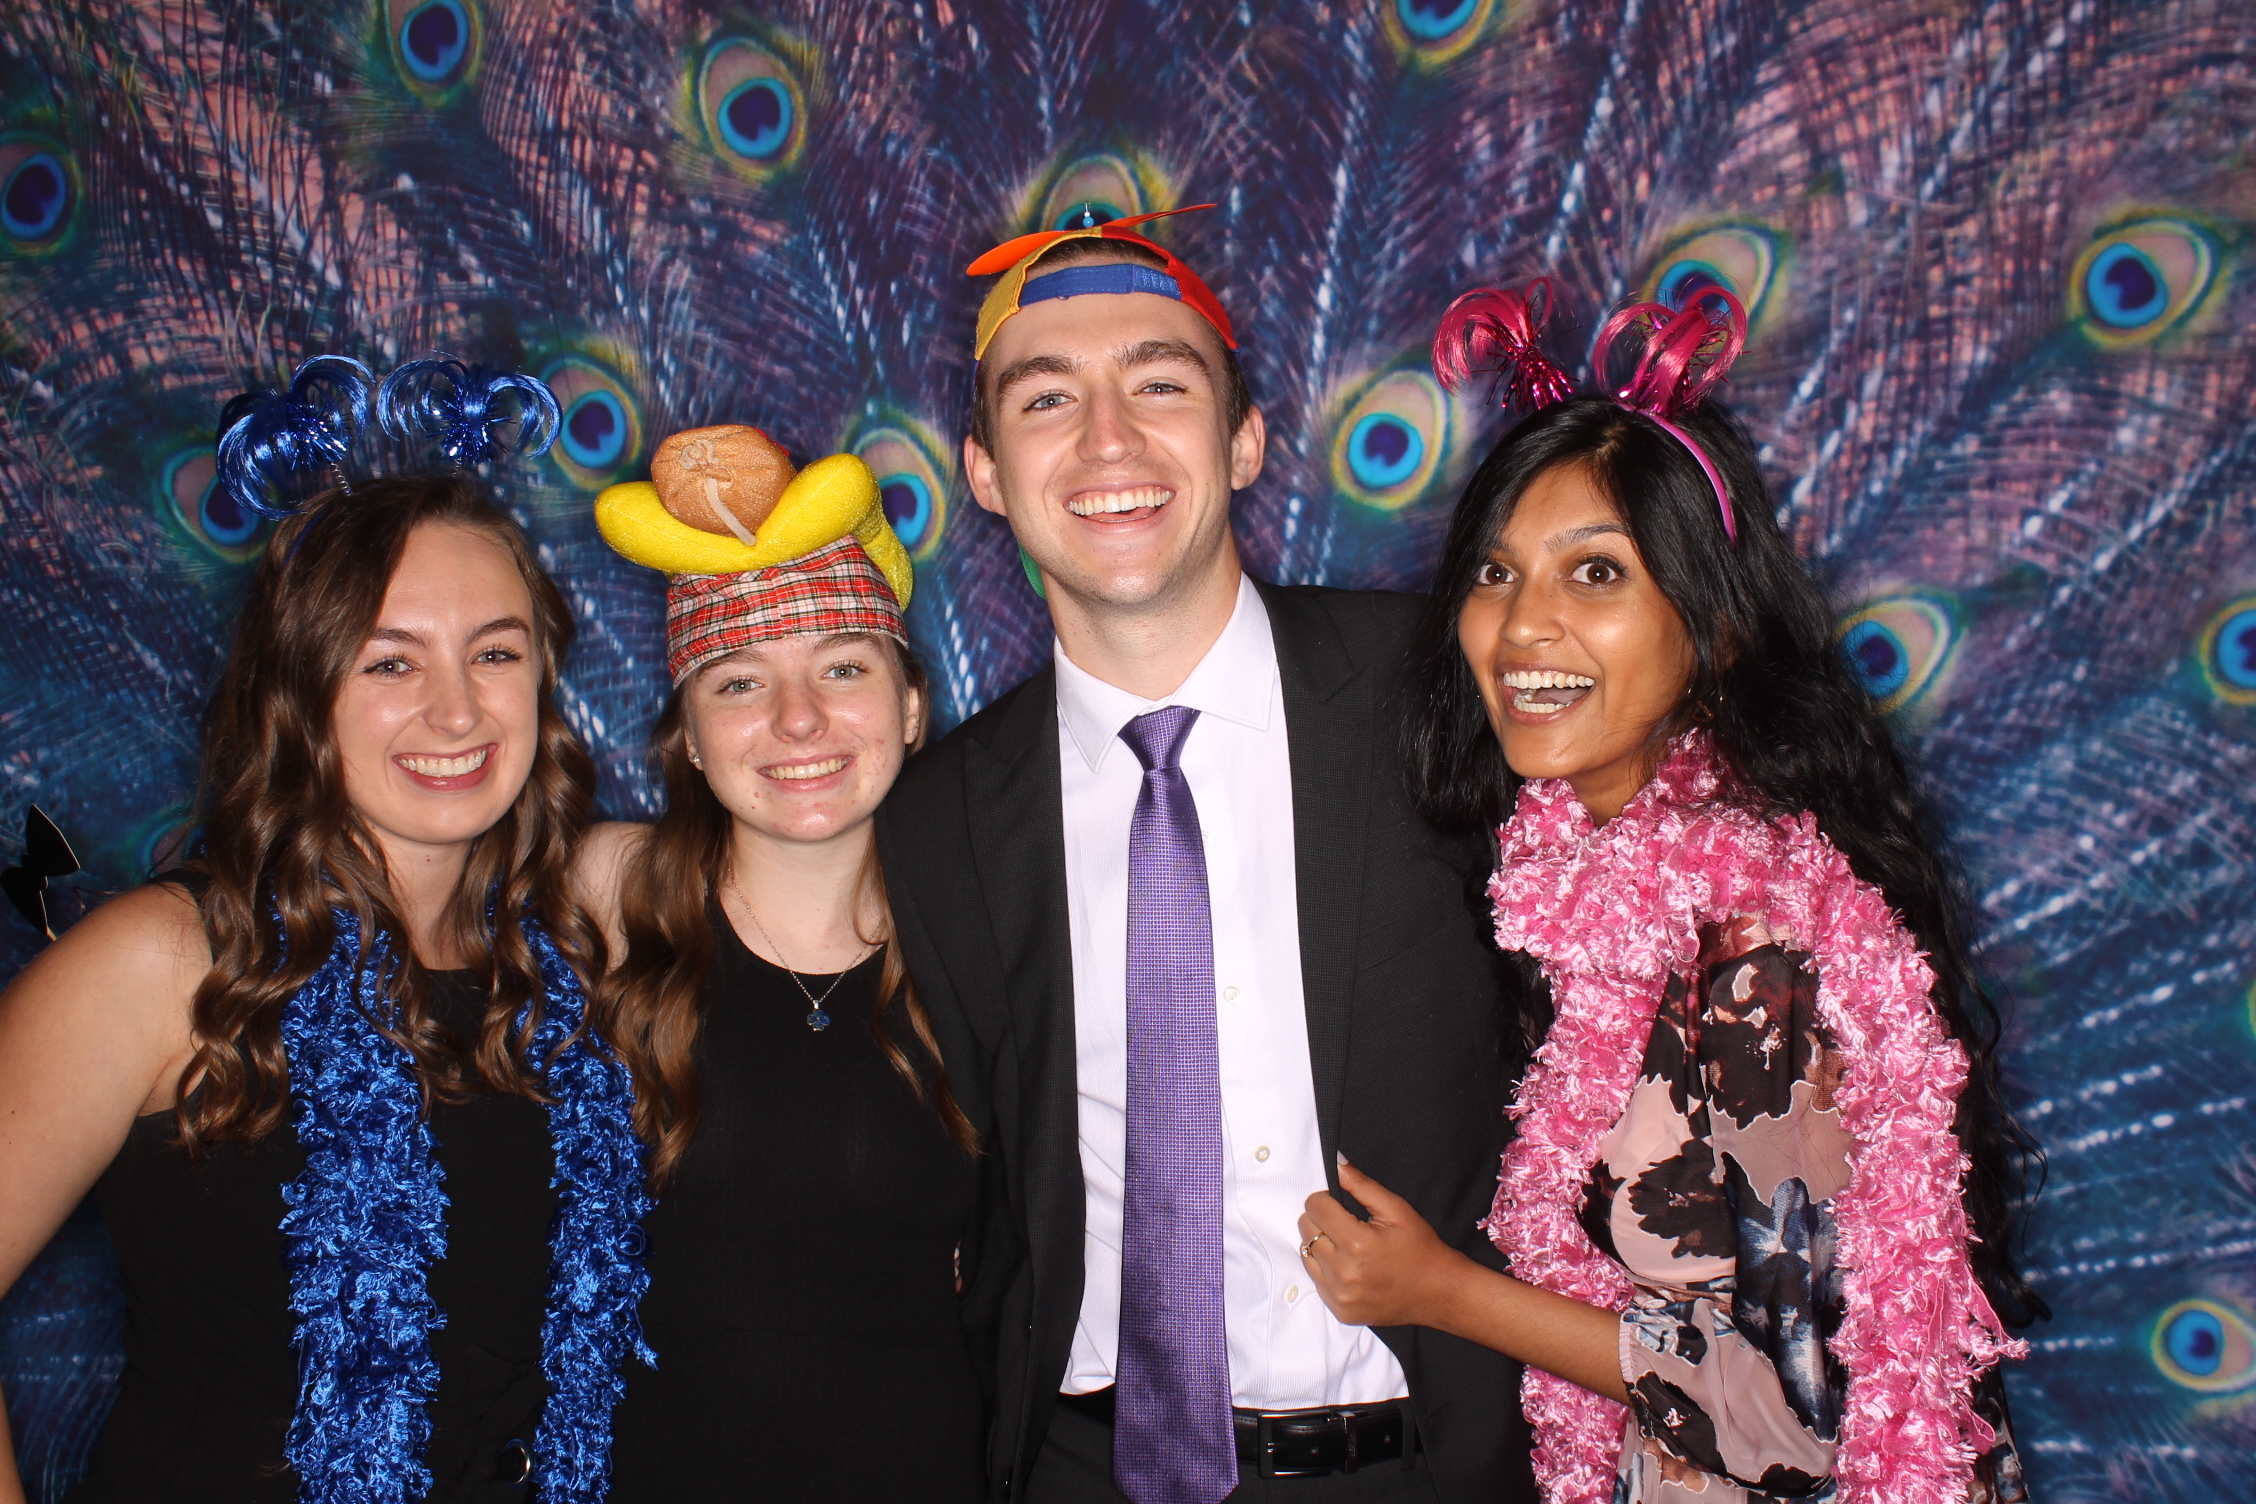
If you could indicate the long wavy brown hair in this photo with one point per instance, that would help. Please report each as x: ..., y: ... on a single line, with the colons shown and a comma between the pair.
x: 651, y: 1005
x: 283, y: 842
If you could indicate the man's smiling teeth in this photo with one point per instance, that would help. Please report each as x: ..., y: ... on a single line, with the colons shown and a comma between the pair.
x: 1096, y: 503
x: 823, y: 769
x: 446, y: 767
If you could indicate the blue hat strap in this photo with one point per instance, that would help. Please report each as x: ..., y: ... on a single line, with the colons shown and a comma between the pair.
x: 1112, y: 277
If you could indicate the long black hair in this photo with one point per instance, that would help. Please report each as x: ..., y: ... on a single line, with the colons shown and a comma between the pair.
x: 1787, y: 714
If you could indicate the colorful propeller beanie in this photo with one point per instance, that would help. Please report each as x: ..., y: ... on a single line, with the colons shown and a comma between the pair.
x: 1016, y: 259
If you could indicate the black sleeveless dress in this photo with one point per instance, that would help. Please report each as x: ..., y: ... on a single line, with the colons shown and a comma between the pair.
x: 802, y: 1269
x: 210, y: 1381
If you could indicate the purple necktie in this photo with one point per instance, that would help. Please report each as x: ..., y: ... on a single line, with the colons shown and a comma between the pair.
x: 1171, y: 1440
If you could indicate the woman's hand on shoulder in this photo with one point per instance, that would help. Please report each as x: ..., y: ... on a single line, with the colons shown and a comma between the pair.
x: 598, y: 870
x: 93, y: 1033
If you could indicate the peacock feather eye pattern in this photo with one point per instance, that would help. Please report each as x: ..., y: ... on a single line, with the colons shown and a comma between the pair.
x: 1438, y: 31
x: 601, y: 436
x: 752, y: 106
x: 2206, y: 1346
x: 912, y: 480
x: 191, y: 499
x: 1921, y: 204
x: 1391, y: 439
x: 435, y: 44
x: 39, y: 193
x: 2227, y: 653
x: 1742, y: 258
x: 1898, y: 648
x: 161, y: 839
x: 1108, y: 184
x: 152, y: 456
x: 2141, y: 278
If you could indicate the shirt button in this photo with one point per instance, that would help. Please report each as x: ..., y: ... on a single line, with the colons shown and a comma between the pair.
x: 1229, y: 994
x: 1261, y: 1153
x: 1292, y: 1293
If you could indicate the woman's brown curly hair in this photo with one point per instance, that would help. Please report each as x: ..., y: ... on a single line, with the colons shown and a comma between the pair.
x: 283, y: 842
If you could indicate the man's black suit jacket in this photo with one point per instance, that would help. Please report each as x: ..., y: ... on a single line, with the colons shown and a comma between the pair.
x: 1405, y: 997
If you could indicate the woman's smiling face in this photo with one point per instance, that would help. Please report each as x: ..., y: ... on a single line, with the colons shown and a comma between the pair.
x: 1578, y: 655
x: 438, y: 722
x: 801, y: 736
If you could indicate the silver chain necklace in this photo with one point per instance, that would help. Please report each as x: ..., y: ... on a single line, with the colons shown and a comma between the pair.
x: 817, y: 1019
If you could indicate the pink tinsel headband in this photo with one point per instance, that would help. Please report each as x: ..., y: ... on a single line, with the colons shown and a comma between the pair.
x: 1686, y: 352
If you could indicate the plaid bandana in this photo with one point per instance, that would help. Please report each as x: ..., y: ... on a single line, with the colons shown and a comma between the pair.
x: 834, y: 589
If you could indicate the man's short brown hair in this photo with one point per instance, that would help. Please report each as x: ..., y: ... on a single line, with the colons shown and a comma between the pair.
x: 1237, y: 397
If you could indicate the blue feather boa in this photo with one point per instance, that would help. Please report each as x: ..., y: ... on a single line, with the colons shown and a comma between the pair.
x: 368, y: 1216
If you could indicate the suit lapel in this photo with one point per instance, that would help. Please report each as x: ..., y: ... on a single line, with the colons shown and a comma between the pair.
x: 1328, y: 733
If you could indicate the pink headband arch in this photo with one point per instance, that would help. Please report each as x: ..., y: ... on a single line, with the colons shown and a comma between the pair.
x: 1685, y: 353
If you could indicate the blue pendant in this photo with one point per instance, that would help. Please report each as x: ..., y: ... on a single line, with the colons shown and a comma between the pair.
x: 818, y: 1020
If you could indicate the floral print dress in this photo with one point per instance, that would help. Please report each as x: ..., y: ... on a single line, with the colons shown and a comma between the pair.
x: 1714, y: 1193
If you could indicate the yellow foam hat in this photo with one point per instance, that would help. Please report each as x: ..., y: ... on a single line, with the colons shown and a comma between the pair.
x: 825, y: 502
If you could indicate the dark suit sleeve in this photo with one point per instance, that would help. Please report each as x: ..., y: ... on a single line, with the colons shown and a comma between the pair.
x: 908, y: 828
x: 1430, y: 1008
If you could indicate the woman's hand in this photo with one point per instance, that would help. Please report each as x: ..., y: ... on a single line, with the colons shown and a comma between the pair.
x: 599, y: 868
x: 1393, y: 1270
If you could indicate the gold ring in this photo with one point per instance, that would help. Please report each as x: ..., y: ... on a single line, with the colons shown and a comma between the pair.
x: 1311, y: 1243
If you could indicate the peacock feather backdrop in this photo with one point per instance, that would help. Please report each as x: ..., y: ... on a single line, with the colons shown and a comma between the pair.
x: 1996, y: 259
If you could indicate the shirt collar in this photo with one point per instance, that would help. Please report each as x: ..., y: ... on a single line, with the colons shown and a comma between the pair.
x: 1234, y: 681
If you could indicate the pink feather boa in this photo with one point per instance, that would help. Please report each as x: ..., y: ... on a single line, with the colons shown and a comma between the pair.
x: 1611, y: 913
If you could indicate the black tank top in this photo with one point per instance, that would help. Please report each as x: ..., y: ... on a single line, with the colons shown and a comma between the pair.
x: 802, y: 1295
x: 210, y: 1381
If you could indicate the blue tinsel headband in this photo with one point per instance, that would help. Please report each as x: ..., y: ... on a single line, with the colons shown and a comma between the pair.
x: 268, y: 439
x: 460, y: 417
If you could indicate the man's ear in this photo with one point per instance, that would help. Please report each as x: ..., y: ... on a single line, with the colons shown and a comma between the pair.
x: 979, y: 472
x: 1249, y: 446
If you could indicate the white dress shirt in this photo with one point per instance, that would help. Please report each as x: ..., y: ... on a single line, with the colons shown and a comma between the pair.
x: 1286, y: 1349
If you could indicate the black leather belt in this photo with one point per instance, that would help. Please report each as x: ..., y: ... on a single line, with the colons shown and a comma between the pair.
x: 1301, y: 1443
